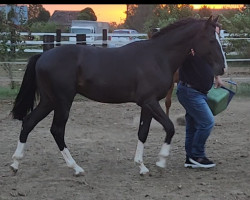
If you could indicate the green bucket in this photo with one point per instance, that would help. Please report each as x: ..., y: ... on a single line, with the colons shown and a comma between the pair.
x: 219, y: 98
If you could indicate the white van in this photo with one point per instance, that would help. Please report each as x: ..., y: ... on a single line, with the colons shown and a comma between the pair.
x: 121, y: 37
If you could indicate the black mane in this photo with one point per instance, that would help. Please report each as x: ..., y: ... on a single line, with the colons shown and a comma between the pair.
x: 176, y: 25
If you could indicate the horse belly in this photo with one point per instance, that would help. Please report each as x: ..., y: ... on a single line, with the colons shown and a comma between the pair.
x: 106, y: 94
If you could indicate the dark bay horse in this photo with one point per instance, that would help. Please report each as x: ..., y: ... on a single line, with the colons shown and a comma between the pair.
x: 140, y: 72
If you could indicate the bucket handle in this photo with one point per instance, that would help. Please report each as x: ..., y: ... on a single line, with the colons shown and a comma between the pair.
x: 233, y: 83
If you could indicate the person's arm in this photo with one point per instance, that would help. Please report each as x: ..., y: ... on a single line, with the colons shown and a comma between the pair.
x: 218, y: 82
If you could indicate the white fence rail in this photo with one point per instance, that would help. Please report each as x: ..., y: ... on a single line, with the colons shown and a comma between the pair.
x: 70, y: 38
x: 36, y: 45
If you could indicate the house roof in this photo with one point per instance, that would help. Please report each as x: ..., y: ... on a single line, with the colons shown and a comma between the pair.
x: 64, y: 17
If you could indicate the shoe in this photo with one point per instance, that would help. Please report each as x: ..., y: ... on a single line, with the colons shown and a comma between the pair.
x: 202, y: 162
x: 188, y: 164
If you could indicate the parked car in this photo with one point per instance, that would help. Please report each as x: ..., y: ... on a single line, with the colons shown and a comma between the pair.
x: 224, y: 34
x: 121, y: 37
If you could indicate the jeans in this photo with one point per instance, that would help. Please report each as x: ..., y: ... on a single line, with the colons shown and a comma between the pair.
x: 199, y: 120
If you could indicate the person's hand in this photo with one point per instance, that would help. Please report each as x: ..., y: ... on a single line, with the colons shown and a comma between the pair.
x: 218, y: 82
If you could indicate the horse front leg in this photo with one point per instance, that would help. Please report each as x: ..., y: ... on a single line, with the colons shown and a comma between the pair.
x: 144, y: 125
x: 160, y: 116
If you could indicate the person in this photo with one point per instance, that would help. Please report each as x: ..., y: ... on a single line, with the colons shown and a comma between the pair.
x: 196, y: 78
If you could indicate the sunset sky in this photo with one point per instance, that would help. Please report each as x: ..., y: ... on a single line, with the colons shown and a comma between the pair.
x: 114, y: 12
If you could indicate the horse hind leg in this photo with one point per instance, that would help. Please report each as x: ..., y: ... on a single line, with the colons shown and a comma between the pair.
x: 29, y: 122
x: 168, y: 99
x: 145, y: 121
x: 61, y: 115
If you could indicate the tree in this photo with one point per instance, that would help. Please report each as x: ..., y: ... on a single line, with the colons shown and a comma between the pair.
x: 239, y: 22
x: 137, y: 15
x: 10, y: 40
x: 43, y: 16
x: 165, y: 14
x: 34, y: 10
x: 87, y: 14
x: 112, y: 26
x: 43, y: 27
x: 204, y: 11
x: 37, y: 13
x: 238, y: 25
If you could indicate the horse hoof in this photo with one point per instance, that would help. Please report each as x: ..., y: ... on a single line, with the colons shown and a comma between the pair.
x: 144, y: 171
x: 13, y: 169
x: 161, y: 164
x: 77, y: 174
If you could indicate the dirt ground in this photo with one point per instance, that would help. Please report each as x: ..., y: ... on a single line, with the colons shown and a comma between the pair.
x: 102, y: 138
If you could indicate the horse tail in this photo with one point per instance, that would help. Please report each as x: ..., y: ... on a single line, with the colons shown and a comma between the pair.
x: 26, y: 96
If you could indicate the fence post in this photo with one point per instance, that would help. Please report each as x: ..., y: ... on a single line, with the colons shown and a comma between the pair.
x: 58, y: 37
x: 81, y: 39
x: 104, y: 38
x: 13, y: 41
x: 48, y: 42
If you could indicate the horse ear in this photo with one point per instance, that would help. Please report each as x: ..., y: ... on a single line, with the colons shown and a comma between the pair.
x: 209, y: 21
x: 216, y: 19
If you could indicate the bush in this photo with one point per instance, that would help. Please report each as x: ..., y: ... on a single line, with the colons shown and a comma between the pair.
x: 43, y: 27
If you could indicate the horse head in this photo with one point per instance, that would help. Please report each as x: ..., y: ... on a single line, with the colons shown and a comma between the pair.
x: 207, y: 44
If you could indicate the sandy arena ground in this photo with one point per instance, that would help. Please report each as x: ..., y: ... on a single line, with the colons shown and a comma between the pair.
x: 102, y: 138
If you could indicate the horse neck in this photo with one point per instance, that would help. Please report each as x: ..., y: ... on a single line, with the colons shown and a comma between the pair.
x: 177, y: 44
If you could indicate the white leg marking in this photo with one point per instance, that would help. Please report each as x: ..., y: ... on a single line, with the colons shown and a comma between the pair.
x: 18, y: 155
x: 71, y: 162
x: 165, y: 149
x: 139, y: 157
